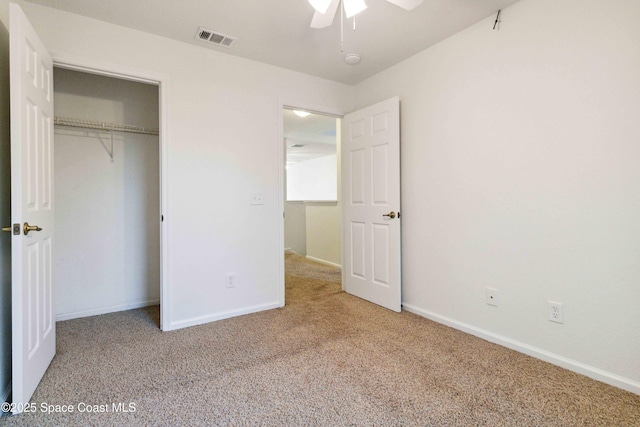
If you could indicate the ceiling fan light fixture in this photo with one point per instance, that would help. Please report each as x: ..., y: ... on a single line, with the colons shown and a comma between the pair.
x: 326, y: 10
x: 353, y: 7
x: 301, y: 113
x: 320, y: 6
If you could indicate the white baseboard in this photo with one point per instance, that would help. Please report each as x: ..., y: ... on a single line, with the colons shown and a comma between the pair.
x: 220, y: 316
x: 293, y: 251
x: 105, y: 310
x: 538, y: 353
x: 322, y: 261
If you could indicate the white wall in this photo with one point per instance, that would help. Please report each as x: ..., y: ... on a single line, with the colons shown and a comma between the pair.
x: 5, y: 207
x: 315, y: 179
x: 107, y: 254
x: 520, y: 172
x: 316, y: 224
x: 295, y: 227
x: 323, y: 232
x: 323, y: 220
x: 312, y: 229
x: 223, y: 144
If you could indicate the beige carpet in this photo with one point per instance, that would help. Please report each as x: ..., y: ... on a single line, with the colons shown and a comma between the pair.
x: 326, y: 359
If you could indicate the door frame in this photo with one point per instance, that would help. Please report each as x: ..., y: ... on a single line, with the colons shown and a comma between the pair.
x: 312, y: 108
x: 106, y: 69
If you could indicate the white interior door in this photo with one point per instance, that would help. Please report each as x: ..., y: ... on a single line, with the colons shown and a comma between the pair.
x: 371, y: 203
x: 33, y: 319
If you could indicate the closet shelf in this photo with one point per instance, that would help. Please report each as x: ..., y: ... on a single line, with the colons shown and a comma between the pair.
x: 108, y: 127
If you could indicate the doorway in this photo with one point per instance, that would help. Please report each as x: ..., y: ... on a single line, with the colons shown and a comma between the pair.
x: 369, y: 164
x: 107, y: 185
x: 312, y: 211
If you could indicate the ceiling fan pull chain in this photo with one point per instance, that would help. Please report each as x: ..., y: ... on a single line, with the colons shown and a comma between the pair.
x: 341, y: 27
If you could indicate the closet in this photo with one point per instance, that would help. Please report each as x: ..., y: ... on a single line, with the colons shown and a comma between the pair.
x: 107, y: 194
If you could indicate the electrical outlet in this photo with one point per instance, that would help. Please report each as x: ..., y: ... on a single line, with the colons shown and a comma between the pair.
x: 556, y: 312
x: 231, y: 280
x: 492, y: 296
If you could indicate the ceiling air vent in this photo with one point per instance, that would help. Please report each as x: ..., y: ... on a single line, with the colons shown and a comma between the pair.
x: 214, y: 38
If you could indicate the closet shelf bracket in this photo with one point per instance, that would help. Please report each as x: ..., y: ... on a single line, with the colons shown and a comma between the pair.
x: 110, y: 152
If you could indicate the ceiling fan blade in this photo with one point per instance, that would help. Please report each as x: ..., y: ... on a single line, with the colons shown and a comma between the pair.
x: 353, y: 7
x: 324, y: 20
x: 320, y: 5
x: 406, y: 4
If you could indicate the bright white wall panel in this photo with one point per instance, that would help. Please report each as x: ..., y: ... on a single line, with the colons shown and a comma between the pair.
x: 315, y: 179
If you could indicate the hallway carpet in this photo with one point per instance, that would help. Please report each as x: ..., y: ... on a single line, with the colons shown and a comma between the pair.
x: 325, y: 359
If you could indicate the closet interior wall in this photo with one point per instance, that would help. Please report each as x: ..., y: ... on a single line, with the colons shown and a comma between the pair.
x: 107, y: 255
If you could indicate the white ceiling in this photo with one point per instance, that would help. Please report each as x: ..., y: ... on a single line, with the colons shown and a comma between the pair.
x: 316, y: 134
x: 277, y: 31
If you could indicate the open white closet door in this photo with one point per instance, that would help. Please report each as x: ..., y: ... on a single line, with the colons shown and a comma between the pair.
x: 33, y: 319
x: 371, y: 203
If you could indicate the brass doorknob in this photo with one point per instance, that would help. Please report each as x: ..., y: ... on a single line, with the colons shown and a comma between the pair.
x: 27, y: 228
x: 390, y: 215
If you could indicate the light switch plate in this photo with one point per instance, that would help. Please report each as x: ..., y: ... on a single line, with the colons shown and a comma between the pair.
x: 257, y: 198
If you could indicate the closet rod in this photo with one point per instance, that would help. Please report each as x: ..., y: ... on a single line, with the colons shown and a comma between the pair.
x: 109, y: 127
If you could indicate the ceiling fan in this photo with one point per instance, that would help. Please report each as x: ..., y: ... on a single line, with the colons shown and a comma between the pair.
x: 326, y: 9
